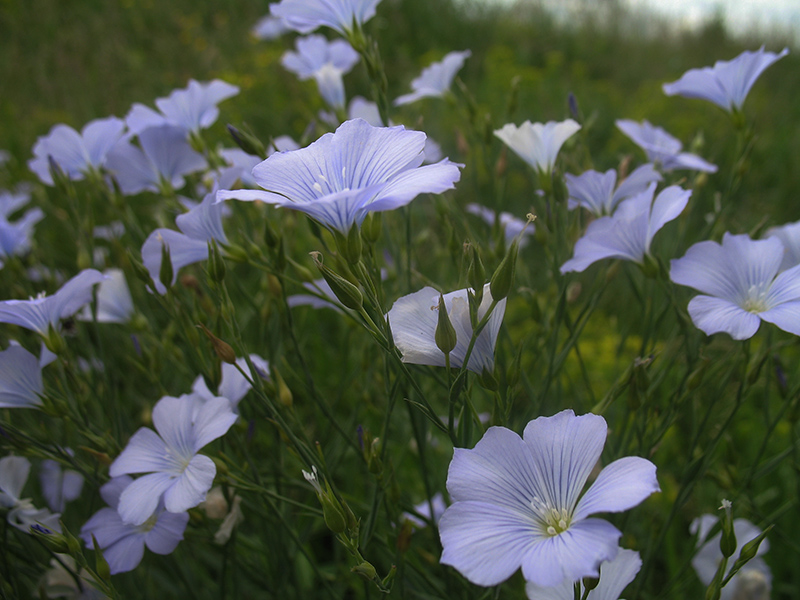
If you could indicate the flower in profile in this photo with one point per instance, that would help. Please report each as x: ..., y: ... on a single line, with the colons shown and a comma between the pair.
x: 344, y: 175
x: 662, y: 148
x: 538, y: 144
x: 190, y: 109
x: 269, y: 28
x: 20, y: 379
x: 22, y: 514
x: 728, y: 82
x: 789, y: 235
x: 59, y: 486
x: 595, y: 191
x: 11, y: 201
x: 164, y: 158
x: 414, y: 318
x: 435, y: 79
x: 615, y: 575
x: 15, y: 237
x: 517, y: 502
x: 198, y: 227
x: 114, y: 303
x: 628, y: 233
x: 511, y: 225
x: 123, y: 543
x: 76, y: 153
x: 325, y: 62
x: 170, y: 457
x: 753, y: 581
x: 43, y: 312
x: 341, y: 15
x: 741, y: 286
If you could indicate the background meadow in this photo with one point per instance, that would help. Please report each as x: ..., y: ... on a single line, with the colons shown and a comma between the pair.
x: 718, y: 417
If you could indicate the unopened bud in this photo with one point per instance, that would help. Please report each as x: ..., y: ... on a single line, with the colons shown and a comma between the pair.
x: 52, y: 539
x: 216, y: 264
x: 100, y: 562
x: 348, y: 294
x: 222, y: 349
x: 476, y: 273
x: 572, y: 104
x: 139, y: 269
x: 727, y: 543
x: 366, y: 570
x: 503, y: 277
x: 165, y: 273
x: 371, y: 227
x: 247, y: 142
x: 445, y: 335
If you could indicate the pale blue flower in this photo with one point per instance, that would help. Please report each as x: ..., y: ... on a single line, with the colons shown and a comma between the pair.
x: 307, y: 15
x: 511, y: 225
x: 754, y: 581
x: 414, y: 318
x: 20, y: 379
x: 595, y: 191
x: 344, y: 175
x: 22, y: 514
x: 628, y: 233
x: 170, y: 457
x: 76, y: 153
x: 517, y: 502
x: 11, y: 201
x: 114, y: 302
x: 536, y: 143
x: 59, y: 486
x: 15, y: 237
x: 438, y: 505
x: 789, y: 235
x: 164, y: 158
x: 615, y: 575
x: 233, y: 385
x: 191, y: 109
x: 728, y: 82
x: 326, y: 62
x: 741, y: 284
x: 122, y: 543
x: 43, y: 312
x: 662, y: 148
x: 435, y: 79
x: 269, y: 28
x: 200, y: 225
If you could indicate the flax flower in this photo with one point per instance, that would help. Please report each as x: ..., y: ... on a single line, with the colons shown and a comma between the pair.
x: 662, y: 148
x: 628, y: 233
x: 728, y: 82
x: 414, y: 318
x: 741, y: 286
x: 536, y: 143
x: 517, y: 502
x: 307, y: 15
x: 595, y: 191
x: 435, y: 79
x: 325, y: 62
x: 170, y: 457
x: 344, y: 175
x: 20, y: 379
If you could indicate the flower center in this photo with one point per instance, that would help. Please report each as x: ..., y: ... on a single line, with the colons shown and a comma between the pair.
x: 552, y: 520
x: 149, y: 524
x: 755, y: 300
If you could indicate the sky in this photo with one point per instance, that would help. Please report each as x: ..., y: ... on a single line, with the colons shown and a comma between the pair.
x: 739, y: 14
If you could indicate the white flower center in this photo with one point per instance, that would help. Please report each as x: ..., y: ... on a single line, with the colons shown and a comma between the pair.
x: 755, y: 301
x: 553, y: 521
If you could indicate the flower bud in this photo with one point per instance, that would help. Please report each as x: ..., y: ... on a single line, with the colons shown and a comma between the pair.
x: 100, y: 563
x: 247, y: 142
x: 476, y: 274
x: 445, y: 335
x: 138, y: 268
x: 53, y: 540
x: 503, y: 277
x: 348, y: 294
x: 371, y: 227
x: 222, y: 349
x: 366, y: 570
x: 727, y: 543
x: 216, y: 264
x: 165, y: 273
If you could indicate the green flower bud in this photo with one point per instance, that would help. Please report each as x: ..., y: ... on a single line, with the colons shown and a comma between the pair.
x: 247, y: 142
x: 727, y: 543
x: 503, y: 277
x: 348, y: 294
x: 366, y: 570
x: 445, y: 335
x: 165, y: 273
